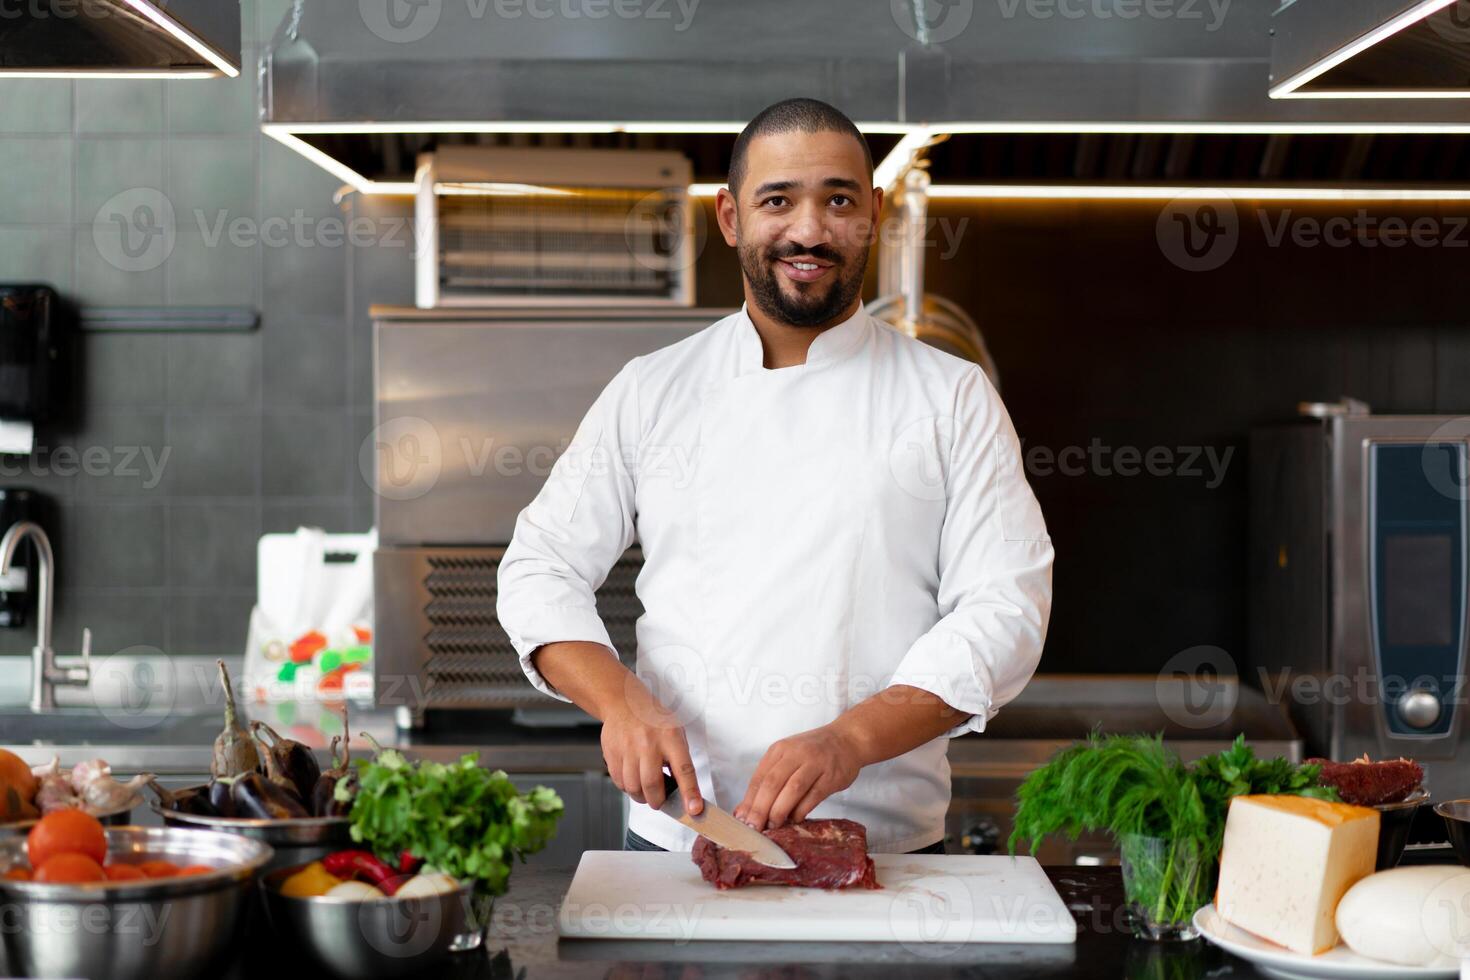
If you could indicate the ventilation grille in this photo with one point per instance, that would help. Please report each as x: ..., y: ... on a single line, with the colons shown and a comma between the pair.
x: 624, y: 244
x: 471, y: 662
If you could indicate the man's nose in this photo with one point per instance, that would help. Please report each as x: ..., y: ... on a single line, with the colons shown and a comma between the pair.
x: 808, y: 228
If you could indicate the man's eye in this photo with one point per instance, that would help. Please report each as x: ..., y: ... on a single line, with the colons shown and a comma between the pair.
x: 841, y: 200
x: 774, y: 200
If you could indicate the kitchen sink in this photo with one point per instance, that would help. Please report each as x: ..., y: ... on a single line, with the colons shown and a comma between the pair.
x: 107, y: 726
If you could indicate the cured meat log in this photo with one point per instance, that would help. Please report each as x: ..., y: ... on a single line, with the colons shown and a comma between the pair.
x: 828, y: 854
x: 1370, y: 783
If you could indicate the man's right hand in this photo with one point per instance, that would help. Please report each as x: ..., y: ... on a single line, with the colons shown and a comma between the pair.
x: 639, y: 738
x: 639, y: 735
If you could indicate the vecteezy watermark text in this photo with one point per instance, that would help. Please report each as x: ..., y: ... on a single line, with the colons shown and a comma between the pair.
x: 126, y: 462
x: 1209, y: 12
x: 1099, y: 459
x: 406, y: 21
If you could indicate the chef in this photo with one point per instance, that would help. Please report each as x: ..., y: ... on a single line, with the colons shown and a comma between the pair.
x: 844, y: 566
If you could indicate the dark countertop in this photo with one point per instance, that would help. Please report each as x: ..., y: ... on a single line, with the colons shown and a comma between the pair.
x: 1050, y: 714
x: 524, y: 946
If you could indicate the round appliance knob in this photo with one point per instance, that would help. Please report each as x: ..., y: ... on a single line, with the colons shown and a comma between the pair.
x: 1419, y: 709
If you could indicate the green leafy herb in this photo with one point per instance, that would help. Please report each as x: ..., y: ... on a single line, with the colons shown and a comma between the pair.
x: 1133, y: 786
x: 463, y: 820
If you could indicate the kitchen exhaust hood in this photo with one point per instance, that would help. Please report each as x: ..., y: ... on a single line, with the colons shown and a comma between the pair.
x: 121, y: 38
x: 362, y: 95
x: 1371, y: 49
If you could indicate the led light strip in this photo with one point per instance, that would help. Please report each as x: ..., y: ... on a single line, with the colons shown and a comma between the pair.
x: 915, y: 136
x: 498, y: 126
x: 188, y: 37
x: 1164, y: 192
x: 110, y: 73
x: 1288, y: 88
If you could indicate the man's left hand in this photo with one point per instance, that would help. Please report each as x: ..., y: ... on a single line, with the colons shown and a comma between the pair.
x: 796, y: 774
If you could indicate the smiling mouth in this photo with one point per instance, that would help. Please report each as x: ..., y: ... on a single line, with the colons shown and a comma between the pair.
x: 803, y: 271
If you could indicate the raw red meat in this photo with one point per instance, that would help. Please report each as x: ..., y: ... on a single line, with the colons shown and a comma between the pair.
x: 1370, y: 783
x: 828, y: 854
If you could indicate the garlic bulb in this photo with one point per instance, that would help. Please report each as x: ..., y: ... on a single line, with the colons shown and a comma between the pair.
x: 99, y: 794
x: 55, y: 792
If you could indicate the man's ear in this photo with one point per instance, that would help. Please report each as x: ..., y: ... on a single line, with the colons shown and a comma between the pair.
x: 877, y: 214
x: 727, y: 213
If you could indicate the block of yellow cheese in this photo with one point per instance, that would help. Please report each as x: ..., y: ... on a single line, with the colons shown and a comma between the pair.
x: 1287, y: 861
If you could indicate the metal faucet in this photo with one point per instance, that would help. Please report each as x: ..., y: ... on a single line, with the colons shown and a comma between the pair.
x: 46, y: 673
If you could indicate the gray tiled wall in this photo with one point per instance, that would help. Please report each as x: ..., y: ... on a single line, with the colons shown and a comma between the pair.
x: 259, y: 429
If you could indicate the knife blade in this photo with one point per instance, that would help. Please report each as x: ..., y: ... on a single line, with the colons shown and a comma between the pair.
x: 722, y: 828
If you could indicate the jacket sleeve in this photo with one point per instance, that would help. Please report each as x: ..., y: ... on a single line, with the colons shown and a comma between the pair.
x: 568, y: 538
x: 995, y: 563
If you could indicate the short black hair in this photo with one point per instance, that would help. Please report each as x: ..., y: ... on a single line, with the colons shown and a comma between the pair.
x: 806, y: 115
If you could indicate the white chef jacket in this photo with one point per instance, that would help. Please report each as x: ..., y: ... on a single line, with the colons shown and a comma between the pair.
x: 811, y: 536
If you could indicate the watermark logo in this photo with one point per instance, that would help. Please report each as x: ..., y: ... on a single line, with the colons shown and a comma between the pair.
x: 665, y: 234
x: 1196, y: 688
x: 1198, y: 231
x: 678, y: 678
x: 918, y: 455
x: 1445, y: 458
x: 404, y: 928
x: 932, y: 21
x: 400, y: 21
x: 401, y: 458
x: 1444, y: 916
x: 1452, y: 23
x: 134, y: 231
x: 133, y: 688
x: 932, y: 914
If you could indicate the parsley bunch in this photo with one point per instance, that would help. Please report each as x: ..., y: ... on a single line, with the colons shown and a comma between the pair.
x: 1134, y: 787
x: 463, y: 820
x: 1133, y: 784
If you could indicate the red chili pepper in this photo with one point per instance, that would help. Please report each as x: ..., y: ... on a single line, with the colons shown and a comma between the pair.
x: 407, y: 863
x: 363, y: 866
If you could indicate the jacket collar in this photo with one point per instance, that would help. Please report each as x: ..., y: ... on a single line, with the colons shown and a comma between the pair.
x: 834, y: 344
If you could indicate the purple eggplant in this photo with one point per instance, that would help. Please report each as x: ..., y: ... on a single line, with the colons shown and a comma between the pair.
x: 288, y: 763
x: 255, y: 796
x: 194, y: 800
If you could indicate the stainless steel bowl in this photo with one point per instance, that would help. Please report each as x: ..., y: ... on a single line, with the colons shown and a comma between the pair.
x: 117, y: 818
x: 295, y: 842
x: 391, y: 937
x: 1394, y: 823
x: 163, y: 927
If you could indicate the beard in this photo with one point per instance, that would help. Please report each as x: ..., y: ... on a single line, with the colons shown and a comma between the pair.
x: 814, y: 304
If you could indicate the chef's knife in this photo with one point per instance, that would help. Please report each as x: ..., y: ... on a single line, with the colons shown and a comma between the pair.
x: 724, y: 829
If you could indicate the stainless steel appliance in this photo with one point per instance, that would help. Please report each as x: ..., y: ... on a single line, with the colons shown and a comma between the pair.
x: 472, y: 409
x: 1357, y: 561
x: 531, y: 226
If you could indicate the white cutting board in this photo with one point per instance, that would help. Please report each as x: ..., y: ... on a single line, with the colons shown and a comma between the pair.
x: 925, y: 898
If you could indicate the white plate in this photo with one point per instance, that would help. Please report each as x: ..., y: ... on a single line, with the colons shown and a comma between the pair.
x: 1277, y: 961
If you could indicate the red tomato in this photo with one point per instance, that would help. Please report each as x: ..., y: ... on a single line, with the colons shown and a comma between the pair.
x: 124, y: 872
x: 66, y: 832
x: 70, y: 869
x: 195, y: 869
x: 159, y: 869
x: 17, y: 874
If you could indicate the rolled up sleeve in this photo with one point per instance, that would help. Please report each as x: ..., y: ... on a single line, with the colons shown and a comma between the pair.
x: 568, y: 538
x: 995, y: 564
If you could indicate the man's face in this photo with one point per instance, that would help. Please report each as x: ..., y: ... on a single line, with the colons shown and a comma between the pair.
x: 803, y: 224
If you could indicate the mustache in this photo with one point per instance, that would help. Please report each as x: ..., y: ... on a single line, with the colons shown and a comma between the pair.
x: 790, y: 250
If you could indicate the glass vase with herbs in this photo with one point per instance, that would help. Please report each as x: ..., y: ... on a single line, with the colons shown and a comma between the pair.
x: 1167, y: 817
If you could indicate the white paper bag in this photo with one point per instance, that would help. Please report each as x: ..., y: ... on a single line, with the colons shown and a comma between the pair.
x: 310, y: 633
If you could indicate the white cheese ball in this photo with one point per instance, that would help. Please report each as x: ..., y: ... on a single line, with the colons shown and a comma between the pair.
x: 1412, y: 916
